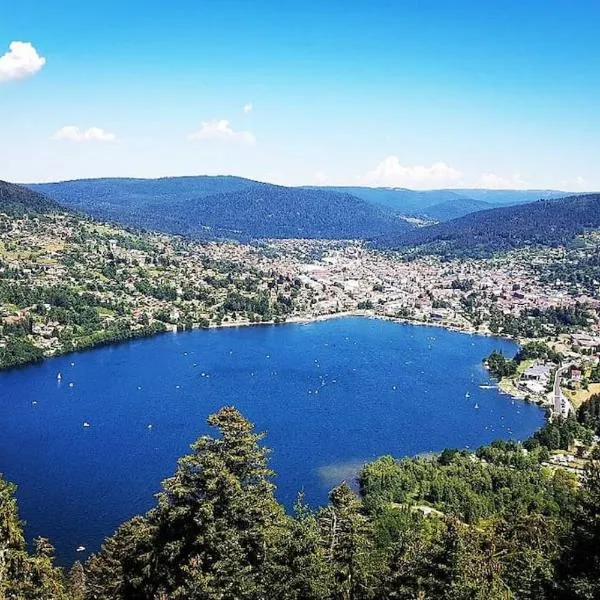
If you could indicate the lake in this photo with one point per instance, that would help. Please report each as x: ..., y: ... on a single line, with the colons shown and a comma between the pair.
x: 330, y: 395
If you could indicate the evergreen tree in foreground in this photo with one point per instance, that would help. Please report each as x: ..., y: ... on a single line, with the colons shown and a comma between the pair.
x: 579, y: 567
x: 215, y: 533
x: 22, y: 576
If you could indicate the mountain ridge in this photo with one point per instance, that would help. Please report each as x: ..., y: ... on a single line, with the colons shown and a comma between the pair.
x: 543, y: 223
x: 225, y: 207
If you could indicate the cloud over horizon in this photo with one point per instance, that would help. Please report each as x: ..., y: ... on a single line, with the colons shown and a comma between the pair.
x: 72, y: 133
x: 496, y: 182
x: 221, y: 130
x: 392, y: 173
x: 21, y: 61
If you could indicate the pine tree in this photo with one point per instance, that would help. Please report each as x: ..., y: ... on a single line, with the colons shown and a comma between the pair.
x: 76, y: 583
x: 214, y: 532
x: 579, y: 566
x: 300, y: 571
x: 347, y: 537
x: 23, y: 576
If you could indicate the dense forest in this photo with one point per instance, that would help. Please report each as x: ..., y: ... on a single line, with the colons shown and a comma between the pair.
x: 494, y: 524
x: 543, y: 223
x: 16, y: 200
x: 226, y: 207
x: 453, y: 209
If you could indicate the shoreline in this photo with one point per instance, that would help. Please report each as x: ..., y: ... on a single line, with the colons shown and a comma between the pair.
x: 510, y: 391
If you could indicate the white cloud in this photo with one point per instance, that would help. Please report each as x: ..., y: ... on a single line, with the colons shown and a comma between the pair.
x: 221, y: 130
x: 391, y: 173
x: 321, y: 177
x: 497, y: 182
x: 75, y: 134
x: 21, y: 61
x: 579, y: 184
x: 249, y: 107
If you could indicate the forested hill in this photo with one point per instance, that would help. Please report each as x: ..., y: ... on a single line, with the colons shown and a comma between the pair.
x: 454, y: 208
x: 114, y: 193
x: 542, y: 223
x: 18, y: 200
x: 280, y: 212
x: 226, y: 207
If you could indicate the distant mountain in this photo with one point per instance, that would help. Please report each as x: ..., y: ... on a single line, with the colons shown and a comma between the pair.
x: 231, y: 207
x: 444, y: 204
x: 234, y: 207
x: 508, y: 197
x: 18, y: 200
x: 111, y: 197
x: 455, y: 208
x: 544, y: 223
x: 400, y: 200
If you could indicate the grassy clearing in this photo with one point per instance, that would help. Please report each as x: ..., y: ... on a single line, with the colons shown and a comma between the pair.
x: 578, y: 397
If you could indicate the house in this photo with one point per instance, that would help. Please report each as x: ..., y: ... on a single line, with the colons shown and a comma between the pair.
x: 538, y: 372
x: 575, y: 375
x: 583, y: 340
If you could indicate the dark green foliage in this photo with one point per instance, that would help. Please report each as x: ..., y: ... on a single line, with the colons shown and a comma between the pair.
x: 537, y: 350
x: 559, y: 434
x: 589, y: 413
x: 348, y: 540
x: 536, y: 322
x: 19, y: 351
x: 24, y: 576
x: 500, y: 366
x: 580, y: 561
x: 213, y: 533
x: 467, y: 486
x: 16, y: 200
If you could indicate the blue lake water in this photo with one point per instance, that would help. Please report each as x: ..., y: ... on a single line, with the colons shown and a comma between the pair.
x: 330, y: 395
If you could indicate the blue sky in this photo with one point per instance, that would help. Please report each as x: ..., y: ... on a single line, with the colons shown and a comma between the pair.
x: 414, y: 93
